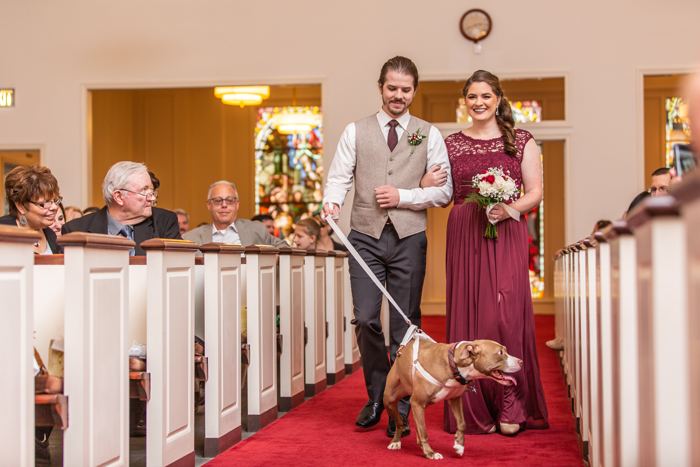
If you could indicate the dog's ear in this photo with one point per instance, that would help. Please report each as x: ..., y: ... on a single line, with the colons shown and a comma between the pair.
x: 471, y: 350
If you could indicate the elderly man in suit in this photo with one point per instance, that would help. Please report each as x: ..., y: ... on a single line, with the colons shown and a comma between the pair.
x: 129, y: 211
x: 222, y: 202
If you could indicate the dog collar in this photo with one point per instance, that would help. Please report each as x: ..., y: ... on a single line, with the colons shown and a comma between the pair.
x: 455, y: 372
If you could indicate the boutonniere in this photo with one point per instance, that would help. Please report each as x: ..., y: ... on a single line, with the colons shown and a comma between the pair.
x: 414, y: 139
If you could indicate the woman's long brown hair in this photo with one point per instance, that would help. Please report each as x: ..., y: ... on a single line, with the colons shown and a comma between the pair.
x: 504, y: 118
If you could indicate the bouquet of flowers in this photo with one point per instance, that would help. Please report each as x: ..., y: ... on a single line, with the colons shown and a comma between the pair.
x: 492, y: 186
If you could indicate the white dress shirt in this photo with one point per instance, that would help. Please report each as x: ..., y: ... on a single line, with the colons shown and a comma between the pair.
x: 341, y: 173
x: 228, y: 235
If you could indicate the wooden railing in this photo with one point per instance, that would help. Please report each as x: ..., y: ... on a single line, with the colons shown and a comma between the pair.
x: 97, y: 301
x: 627, y: 302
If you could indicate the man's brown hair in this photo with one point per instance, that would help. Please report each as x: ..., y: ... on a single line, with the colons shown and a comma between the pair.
x: 400, y: 65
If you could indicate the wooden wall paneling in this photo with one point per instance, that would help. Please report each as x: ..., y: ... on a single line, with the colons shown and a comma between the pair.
x: 187, y: 137
x: 435, y: 284
x: 113, y: 126
x: 158, y: 143
x: 549, y: 92
x: 654, y: 136
x: 436, y: 101
x: 238, y: 163
x: 201, y: 154
x: 554, y: 196
x: 656, y: 90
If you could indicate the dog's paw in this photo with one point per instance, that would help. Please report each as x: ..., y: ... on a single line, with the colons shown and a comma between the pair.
x: 394, y: 446
x: 459, y: 449
x: 436, y: 456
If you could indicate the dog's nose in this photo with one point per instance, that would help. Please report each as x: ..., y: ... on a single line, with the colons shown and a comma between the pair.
x: 520, y: 363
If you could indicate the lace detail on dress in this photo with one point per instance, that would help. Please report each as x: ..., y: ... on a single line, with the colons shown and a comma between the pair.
x: 469, y: 156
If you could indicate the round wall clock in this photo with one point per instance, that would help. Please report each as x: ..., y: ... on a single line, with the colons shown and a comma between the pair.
x: 475, y: 25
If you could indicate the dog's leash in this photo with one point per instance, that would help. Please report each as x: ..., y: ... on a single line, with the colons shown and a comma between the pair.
x: 412, y: 328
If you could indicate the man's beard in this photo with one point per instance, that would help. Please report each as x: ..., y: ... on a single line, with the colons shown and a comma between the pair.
x: 393, y: 112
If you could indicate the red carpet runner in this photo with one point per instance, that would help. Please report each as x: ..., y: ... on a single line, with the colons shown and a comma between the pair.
x: 322, y: 431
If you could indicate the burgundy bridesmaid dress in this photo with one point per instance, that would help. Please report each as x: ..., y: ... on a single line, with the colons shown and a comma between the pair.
x: 488, y: 290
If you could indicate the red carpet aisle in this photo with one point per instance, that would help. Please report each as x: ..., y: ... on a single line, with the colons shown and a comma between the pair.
x: 322, y: 432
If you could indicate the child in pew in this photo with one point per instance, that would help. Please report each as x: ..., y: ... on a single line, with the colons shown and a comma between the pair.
x: 306, y: 234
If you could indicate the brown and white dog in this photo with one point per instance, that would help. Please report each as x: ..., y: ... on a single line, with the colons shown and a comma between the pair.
x: 440, y: 372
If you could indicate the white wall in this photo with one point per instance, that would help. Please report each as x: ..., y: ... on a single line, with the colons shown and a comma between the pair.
x: 52, y: 51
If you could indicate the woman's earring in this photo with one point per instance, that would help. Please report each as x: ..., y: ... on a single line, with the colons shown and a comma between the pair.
x: 496, y: 110
x: 23, y: 220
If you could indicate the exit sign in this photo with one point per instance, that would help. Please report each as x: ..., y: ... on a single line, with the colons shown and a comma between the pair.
x: 7, y: 97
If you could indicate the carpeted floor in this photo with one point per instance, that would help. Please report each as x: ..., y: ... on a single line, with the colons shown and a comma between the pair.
x: 322, y: 431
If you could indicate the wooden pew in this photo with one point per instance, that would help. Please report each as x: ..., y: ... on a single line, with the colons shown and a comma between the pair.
x: 96, y: 345
x: 16, y: 329
x: 688, y: 193
x: 623, y: 309
x: 315, y: 319
x: 576, y: 339
x: 664, y: 362
x: 559, y: 297
x: 352, y: 351
x: 604, y: 449
x: 262, y: 335
x: 170, y: 341
x: 567, y: 287
x: 222, y: 328
x: 291, y: 293
x: 335, y: 349
x: 592, y: 369
x: 583, y: 369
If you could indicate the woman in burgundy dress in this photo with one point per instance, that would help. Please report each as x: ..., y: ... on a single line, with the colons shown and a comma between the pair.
x: 488, y: 287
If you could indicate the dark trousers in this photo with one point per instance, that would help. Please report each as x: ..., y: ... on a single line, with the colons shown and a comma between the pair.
x: 400, y: 265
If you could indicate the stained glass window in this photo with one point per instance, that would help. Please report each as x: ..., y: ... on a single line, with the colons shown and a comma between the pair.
x: 523, y: 111
x: 677, y: 126
x: 288, y: 167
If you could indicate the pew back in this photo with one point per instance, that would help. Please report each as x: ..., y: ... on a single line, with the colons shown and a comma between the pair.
x: 16, y: 325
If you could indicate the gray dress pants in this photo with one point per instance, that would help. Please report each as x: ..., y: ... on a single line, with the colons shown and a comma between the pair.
x: 400, y: 265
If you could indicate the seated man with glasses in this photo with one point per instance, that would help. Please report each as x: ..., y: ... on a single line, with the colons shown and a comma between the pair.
x: 222, y: 203
x: 129, y: 195
x: 660, y: 181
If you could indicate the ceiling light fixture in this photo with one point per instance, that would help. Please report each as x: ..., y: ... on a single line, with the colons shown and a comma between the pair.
x: 242, y: 95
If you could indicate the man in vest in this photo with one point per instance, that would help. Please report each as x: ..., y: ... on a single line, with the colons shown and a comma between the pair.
x: 388, y: 220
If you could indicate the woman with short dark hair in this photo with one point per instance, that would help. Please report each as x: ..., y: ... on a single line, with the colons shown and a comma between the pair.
x: 34, y: 197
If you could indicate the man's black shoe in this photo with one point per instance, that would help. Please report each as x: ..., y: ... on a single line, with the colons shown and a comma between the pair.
x: 391, y: 429
x: 370, y: 414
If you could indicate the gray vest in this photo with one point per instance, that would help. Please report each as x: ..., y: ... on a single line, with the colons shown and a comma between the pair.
x: 377, y: 166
